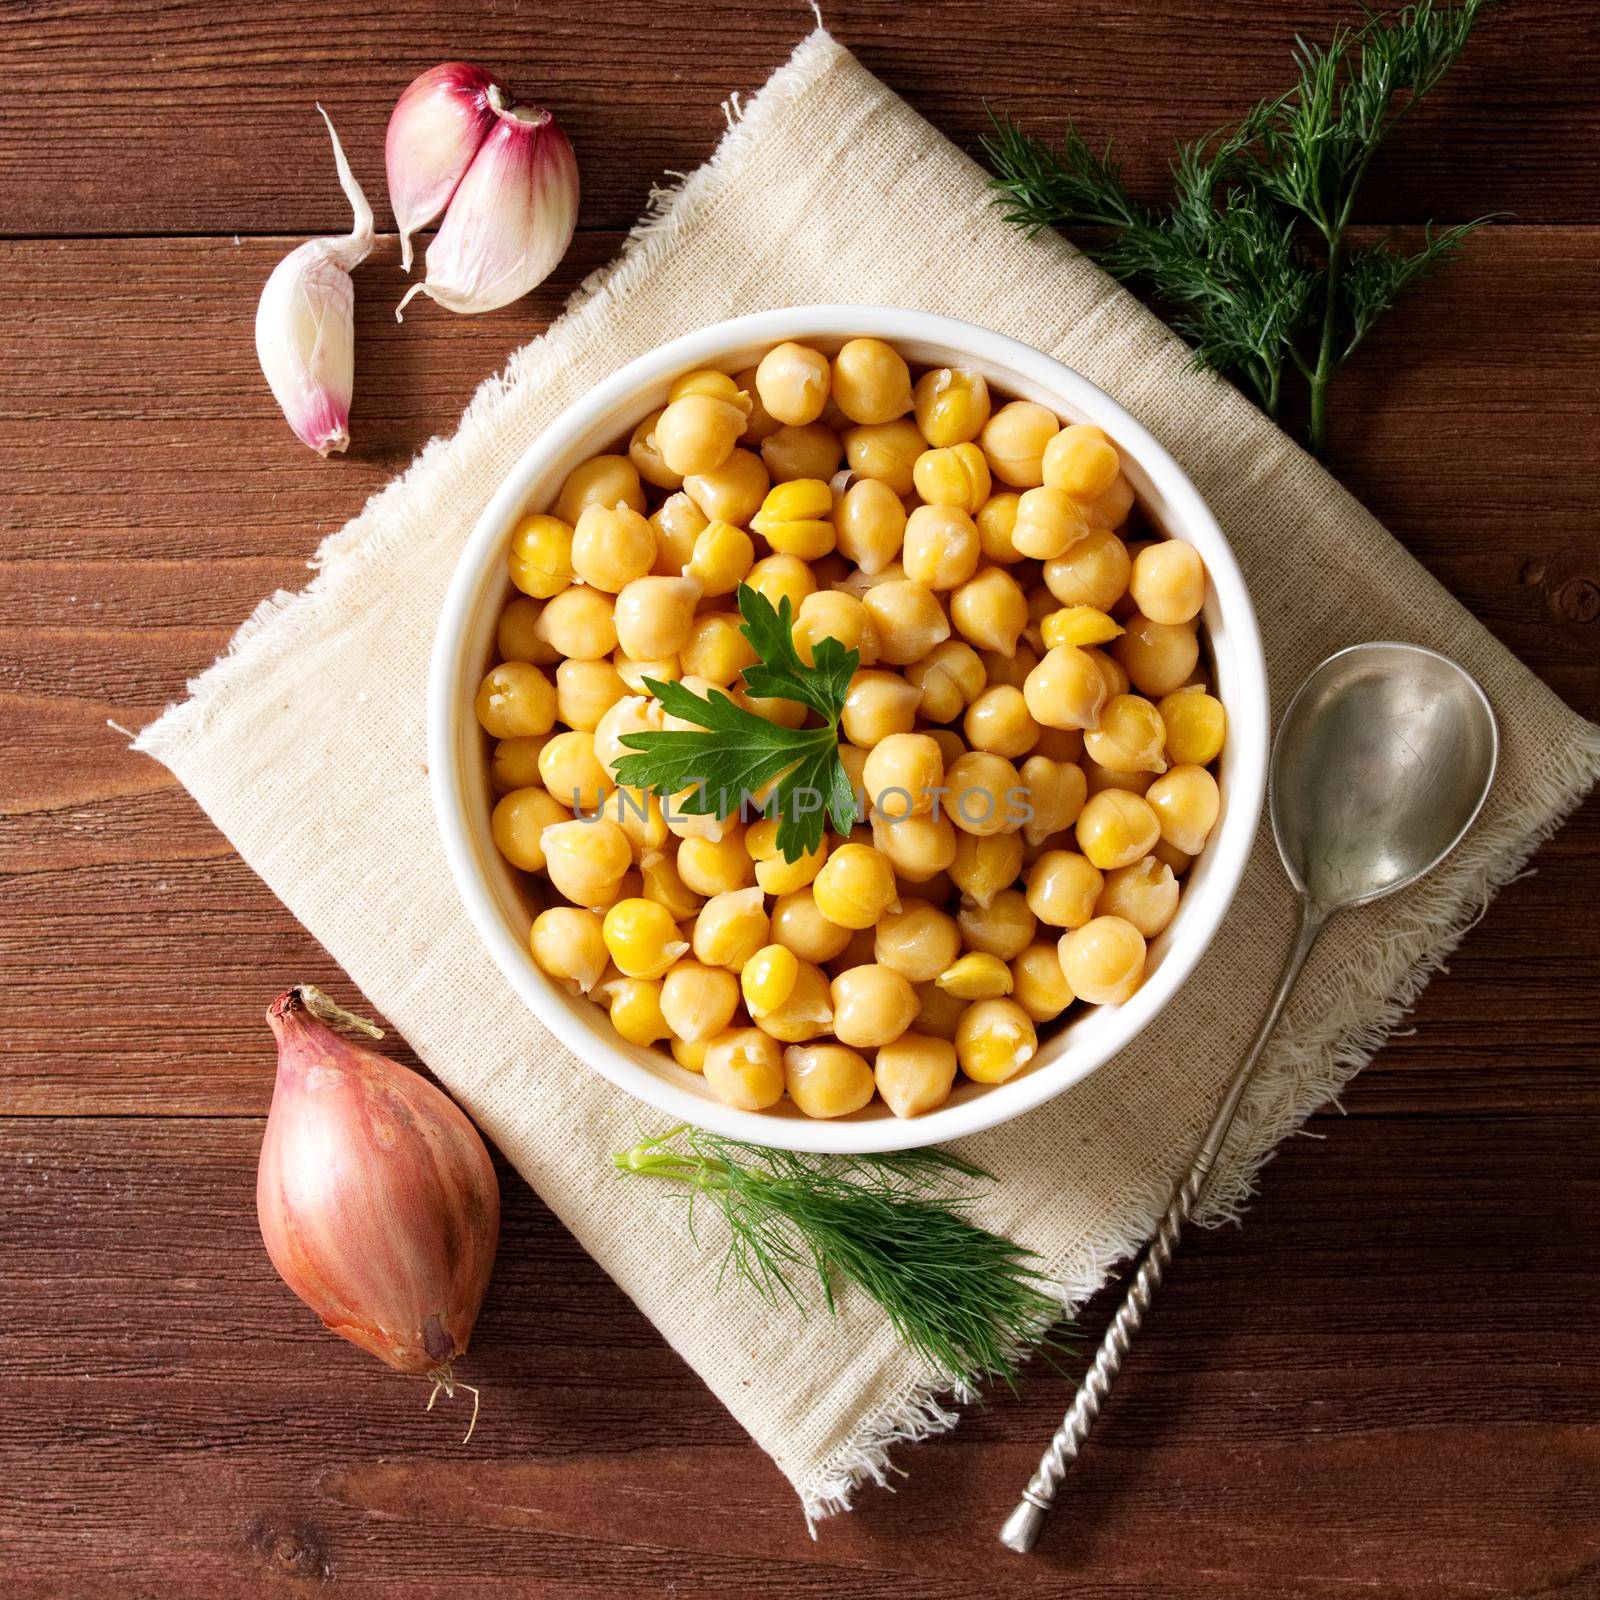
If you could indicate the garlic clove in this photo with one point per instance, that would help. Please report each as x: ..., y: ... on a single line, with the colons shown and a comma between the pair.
x: 305, y: 324
x: 511, y: 218
x: 435, y: 129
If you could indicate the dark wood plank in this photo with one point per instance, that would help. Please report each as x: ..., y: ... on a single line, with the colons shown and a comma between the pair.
x: 215, y: 100
x: 1383, y: 1382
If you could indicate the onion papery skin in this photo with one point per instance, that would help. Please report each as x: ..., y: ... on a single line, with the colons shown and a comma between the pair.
x: 377, y: 1199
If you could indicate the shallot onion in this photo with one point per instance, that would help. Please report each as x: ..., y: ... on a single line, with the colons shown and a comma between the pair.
x: 377, y: 1199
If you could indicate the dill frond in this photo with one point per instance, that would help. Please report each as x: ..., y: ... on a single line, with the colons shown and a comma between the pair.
x: 969, y: 1301
x: 1251, y: 254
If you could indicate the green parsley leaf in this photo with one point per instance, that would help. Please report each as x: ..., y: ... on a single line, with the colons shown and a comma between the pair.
x: 732, y: 754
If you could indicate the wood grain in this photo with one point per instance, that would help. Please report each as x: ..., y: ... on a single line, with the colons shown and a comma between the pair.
x: 1398, y: 1402
x: 217, y: 100
x: 1386, y: 1383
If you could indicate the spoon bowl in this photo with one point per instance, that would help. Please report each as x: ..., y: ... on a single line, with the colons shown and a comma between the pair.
x: 1382, y: 761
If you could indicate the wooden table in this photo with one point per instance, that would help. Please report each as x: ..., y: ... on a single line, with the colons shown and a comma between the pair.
x: 1387, y: 1383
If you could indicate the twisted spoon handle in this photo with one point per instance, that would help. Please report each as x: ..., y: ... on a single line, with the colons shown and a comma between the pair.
x: 1022, y: 1527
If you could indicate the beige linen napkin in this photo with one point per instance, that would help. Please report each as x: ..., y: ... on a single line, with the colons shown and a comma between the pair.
x: 787, y: 212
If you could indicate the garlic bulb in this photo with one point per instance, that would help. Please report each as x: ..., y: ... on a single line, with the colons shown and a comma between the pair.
x: 305, y: 324
x: 510, y: 216
x: 435, y: 131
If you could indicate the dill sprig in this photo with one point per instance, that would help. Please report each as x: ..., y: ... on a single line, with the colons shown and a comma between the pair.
x: 1252, y: 250
x: 969, y: 1301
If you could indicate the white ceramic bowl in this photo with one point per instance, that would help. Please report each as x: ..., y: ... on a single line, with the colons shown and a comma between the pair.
x: 463, y: 651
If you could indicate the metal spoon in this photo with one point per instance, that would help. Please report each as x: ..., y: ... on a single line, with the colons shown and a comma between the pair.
x: 1381, y: 763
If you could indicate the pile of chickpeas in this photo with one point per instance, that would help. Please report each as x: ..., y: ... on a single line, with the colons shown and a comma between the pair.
x: 1031, y: 724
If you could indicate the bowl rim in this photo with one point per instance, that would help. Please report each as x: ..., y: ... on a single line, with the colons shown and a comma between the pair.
x: 1228, y: 852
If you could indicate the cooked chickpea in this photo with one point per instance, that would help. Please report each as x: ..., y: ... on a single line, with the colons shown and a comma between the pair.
x: 903, y: 774
x: 599, y: 481
x: 918, y: 941
x: 775, y: 873
x: 645, y: 454
x: 1013, y: 668
x: 806, y: 1013
x: 872, y: 1005
x: 569, y: 769
x: 1038, y: 984
x: 1186, y: 803
x: 1048, y: 524
x: 580, y: 623
x: 955, y: 475
x: 855, y: 887
x: 1169, y: 582
x: 654, y: 619
x: 697, y: 432
x: 780, y: 577
x: 635, y: 1007
x: 1056, y: 793
x: 569, y: 945
x: 996, y: 521
x: 918, y: 847
x: 732, y: 492
x: 639, y: 816
x: 871, y: 382
x: 635, y: 714
x: 518, y: 823
x: 793, y: 382
x: 698, y: 1001
x: 585, y: 691
x: 1129, y: 737
x: 690, y: 1054
x: 941, y: 547
x: 516, y: 635
x: 1145, y: 894
x: 678, y: 522
x: 1115, y: 674
x: 877, y: 706
x: 1066, y: 689
x: 978, y: 976
x: 949, y: 678
x: 998, y: 722
x: 985, y: 865
x: 870, y: 524
x: 799, y: 925
x: 951, y: 405
x: 1103, y: 960
x: 1158, y: 657
x: 516, y: 699
x: 887, y: 452
x: 716, y: 866
x: 1082, y: 462
x: 796, y: 518
x: 717, y: 648
x: 828, y: 614
x: 990, y: 610
x: 722, y: 555
x: 641, y: 938
x: 908, y: 618
x: 1096, y: 778
x: 1092, y: 572
x: 826, y: 1080
x: 768, y: 977
x: 744, y: 1069
x: 985, y: 794
x: 586, y: 861
x: 915, y: 1072
x: 1196, y: 725
x: 1014, y: 440
x: 515, y: 762
x: 1076, y: 625
x: 1063, y: 888
x: 1115, y: 828
x: 995, y: 1040
x: 941, y: 1013
x: 540, y: 557
x: 1002, y: 928
x: 812, y: 450
x: 1112, y: 508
